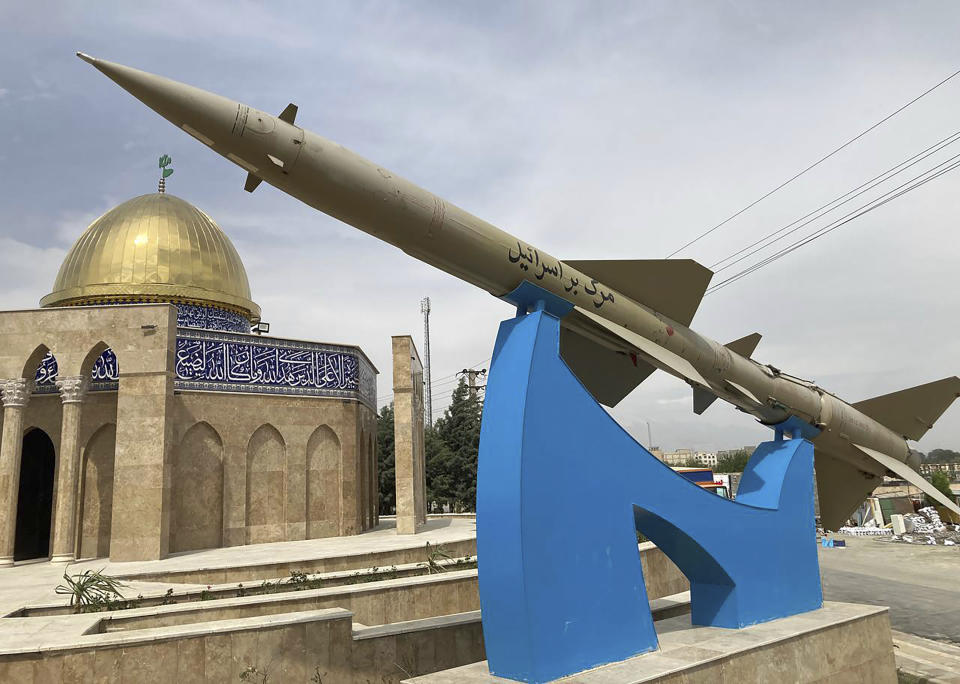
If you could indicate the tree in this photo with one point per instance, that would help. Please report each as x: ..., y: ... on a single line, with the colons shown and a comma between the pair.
x: 733, y: 463
x: 452, y: 474
x: 386, y: 461
x: 942, y: 456
x: 942, y: 483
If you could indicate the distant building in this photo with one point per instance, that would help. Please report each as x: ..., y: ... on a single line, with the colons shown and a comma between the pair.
x: 951, y: 469
x: 727, y: 453
x: 681, y: 457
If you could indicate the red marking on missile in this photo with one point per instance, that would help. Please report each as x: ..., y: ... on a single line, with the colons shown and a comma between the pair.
x: 669, y: 331
x: 633, y: 357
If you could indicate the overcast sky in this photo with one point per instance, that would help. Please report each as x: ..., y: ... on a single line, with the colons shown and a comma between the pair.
x: 590, y: 129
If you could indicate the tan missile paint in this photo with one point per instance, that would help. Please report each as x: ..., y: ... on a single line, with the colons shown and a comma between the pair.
x: 338, y: 182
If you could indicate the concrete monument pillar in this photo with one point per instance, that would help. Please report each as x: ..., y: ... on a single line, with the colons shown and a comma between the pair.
x: 408, y: 435
x: 16, y: 394
x: 73, y: 389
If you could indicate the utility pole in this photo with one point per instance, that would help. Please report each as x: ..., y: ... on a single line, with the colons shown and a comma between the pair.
x: 427, y: 399
x: 472, y: 379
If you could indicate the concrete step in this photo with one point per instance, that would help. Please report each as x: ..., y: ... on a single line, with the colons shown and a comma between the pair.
x: 935, y: 661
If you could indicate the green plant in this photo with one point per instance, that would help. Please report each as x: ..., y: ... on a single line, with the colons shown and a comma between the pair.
x: 168, y: 598
x: 254, y: 674
x: 90, y: 590
x: 240, y: 590
x: 206, y: 594
x: 434, y: 557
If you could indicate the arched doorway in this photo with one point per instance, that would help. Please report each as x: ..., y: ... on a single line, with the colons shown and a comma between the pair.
x: 35, y: 500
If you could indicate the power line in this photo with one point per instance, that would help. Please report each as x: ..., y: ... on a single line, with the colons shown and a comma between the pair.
x: 850, y: 195
x: 453, y: 376
x: 830, y: 227
x: 814, y: 165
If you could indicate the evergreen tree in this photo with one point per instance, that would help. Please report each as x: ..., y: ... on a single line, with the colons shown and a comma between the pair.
x: 452, y: 476
x: 386, y: 460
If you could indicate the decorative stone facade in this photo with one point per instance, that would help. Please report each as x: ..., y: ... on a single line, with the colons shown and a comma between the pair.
x: 158, y: 460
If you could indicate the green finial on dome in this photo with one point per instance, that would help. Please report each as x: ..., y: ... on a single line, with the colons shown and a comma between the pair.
x: 165, y: 173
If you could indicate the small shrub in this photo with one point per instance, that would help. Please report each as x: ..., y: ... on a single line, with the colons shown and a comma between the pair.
x: 91, y: 590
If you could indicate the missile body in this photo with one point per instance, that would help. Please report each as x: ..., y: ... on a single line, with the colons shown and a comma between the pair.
x: 616, y: 334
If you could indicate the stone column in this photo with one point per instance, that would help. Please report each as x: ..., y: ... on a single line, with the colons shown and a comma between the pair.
x: 73, y: 389
x: 16, y: 394
x: 408, y: 439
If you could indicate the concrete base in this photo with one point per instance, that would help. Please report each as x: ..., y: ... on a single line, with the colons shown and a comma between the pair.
x: 839, y: 642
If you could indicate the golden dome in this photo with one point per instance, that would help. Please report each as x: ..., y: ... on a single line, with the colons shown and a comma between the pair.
x: 154, y: 248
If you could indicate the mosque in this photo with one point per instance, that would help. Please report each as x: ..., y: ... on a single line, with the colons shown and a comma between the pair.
x: 145, y: 413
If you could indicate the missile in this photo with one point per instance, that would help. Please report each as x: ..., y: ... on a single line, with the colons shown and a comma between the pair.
x: 629, y: 317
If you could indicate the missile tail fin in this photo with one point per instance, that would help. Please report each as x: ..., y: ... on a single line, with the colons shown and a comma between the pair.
x: 289, y: 114
x: 745, y: 346
x: 911, y: 476
x: 672, y: 287
x: 841, y: 487
x: 911, y: 412
x: 702, y: 399
x: 609, y: 375
x: 252, y: 182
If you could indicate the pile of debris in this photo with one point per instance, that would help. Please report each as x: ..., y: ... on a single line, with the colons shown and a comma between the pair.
x: 927, y: 528
x: 866, y: 531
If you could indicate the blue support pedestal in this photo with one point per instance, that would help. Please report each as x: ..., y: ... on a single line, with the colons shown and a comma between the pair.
x: 562, y: 491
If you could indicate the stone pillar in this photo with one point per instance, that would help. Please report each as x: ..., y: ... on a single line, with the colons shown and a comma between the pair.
x: 16, y: 394
x: 408, y: 435
x: 73, y: 389
x: 141, y: 482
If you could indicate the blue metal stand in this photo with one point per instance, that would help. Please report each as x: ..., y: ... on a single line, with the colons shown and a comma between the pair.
x: 562, y: 491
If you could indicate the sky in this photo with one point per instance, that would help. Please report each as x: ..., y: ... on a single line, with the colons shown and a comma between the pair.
x: 591, y: 130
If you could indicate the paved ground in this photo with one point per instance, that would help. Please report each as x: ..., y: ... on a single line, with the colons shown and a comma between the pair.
x: 920, y: 584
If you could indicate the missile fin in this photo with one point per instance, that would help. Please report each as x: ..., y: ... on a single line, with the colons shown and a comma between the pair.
x: 608, y: 375
x: 672, y: 287
x: 702, y: 399
x: 841, y: 488
x: 910, y: 475
x: 289, y: 113
x: 744, y: 391
x: 911, y: 412
x: 661, y: 357
x: 252, y: 182
x: 745, y: 346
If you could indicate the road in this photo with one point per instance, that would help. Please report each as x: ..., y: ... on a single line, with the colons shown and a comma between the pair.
x: 920, y: 584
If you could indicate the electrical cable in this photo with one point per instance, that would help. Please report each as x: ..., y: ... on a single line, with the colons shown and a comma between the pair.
x: 906, y: 164
x: 876, y: 203
x: 814, y: 165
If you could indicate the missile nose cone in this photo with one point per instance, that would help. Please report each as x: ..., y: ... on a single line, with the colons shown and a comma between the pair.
x: 208, y: 117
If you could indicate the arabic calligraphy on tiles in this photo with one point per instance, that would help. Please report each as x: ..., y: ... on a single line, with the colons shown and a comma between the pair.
x: 104, y: 375
x: 530, y: 261
x: 265, y: 365
x: 210, y: 318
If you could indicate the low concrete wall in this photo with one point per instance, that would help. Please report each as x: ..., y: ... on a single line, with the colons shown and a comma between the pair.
x: 661, y: 576
x: 841, y: 642
x: 287, y: 648
x: 247, y: 573
x: 327, y: 580
x: 384, y: 653
x: 373, y: 603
